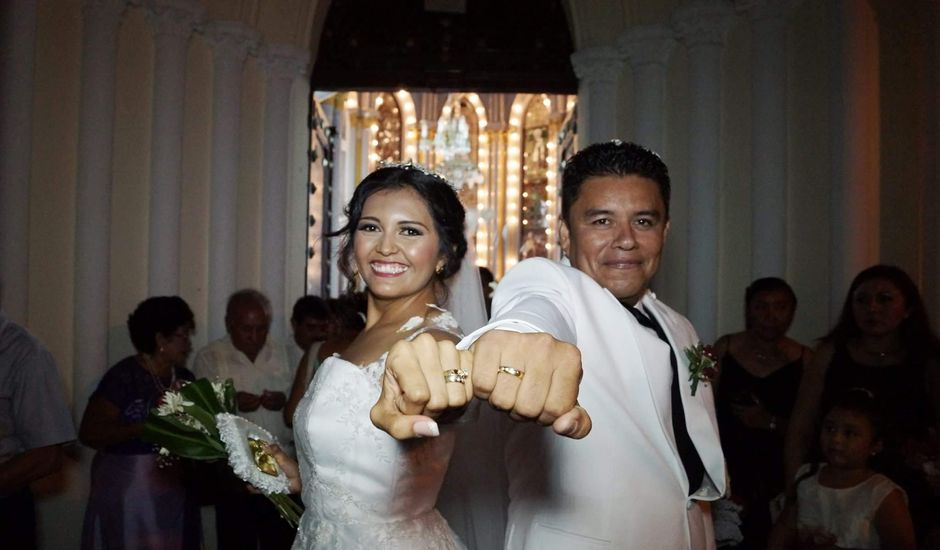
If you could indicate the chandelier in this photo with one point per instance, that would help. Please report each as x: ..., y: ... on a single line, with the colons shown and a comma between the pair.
x: 451, y: 148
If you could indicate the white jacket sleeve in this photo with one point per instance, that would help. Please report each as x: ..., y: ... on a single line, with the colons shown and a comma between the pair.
x: 534, y: 296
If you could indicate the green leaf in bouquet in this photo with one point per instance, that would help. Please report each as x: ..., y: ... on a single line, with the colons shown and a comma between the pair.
x: 173, y: 422
x: 180, y: 439
x: 202, y: 395
x: 203, y: 417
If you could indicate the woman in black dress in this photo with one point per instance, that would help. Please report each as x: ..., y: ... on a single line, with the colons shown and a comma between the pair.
x: 759, y: 376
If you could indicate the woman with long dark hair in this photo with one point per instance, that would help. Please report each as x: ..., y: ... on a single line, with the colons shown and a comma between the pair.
x: 884, y: 344
x: 363, y: 489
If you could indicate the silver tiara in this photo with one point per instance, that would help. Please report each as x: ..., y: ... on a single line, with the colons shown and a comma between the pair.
x: 411, y: 165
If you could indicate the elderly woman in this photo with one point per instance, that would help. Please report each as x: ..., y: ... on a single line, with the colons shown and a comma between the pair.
x: 882, y: 343
x: 760, y: 373
x: 133, y: 501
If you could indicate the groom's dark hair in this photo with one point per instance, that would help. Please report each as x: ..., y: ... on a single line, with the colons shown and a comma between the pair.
x: 613, y: 158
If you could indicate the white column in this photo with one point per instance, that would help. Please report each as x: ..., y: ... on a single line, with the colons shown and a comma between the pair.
x: 344, y: 178
x: 17, y: 46
x: 598, y: 70
x: 701, y: 26
x: 231, y: 41
x: 769, y: 138
x: 856, y: 145
x: 172, y: 22
x: 647, y: 49
x: 101, y: 19
x: 301, y: 203
x: 282, y: 63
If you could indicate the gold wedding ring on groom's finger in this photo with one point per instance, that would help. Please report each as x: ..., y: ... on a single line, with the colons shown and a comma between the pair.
x: 511, y: 371
x: 456, y: 375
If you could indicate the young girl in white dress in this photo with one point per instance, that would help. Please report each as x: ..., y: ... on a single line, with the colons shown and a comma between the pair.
x: 362, y: 488
x: 843, y: 503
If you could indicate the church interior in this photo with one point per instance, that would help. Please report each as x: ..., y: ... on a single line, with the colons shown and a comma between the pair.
x: 196, y: 147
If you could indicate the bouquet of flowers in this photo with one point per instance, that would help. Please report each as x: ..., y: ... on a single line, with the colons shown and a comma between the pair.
x: 198, y: 421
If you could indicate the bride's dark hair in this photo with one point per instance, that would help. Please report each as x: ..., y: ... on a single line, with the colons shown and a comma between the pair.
x: 439, y: 197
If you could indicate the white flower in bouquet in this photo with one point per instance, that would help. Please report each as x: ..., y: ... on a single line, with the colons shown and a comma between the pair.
x: 172, y: 403
x: 218, y: 386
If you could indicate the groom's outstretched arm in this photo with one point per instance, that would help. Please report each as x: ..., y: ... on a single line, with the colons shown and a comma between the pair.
x: 531, y: 376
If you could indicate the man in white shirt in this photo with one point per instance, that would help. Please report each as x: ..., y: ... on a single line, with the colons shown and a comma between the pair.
x: 262, y: 377
x: 34, y: 426
x: 644, y: 475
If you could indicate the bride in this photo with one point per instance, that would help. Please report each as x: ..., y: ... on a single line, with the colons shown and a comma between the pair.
x: 362, y: 488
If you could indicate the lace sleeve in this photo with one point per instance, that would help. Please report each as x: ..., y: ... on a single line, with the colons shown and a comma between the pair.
x: 443, y: 321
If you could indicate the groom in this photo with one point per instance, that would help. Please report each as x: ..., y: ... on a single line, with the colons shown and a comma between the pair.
x: 652, y: 462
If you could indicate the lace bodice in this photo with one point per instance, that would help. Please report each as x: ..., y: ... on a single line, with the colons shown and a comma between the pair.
x: 361, y: 487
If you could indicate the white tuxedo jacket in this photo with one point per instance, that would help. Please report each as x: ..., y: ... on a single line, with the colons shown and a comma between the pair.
x: 623, y: 486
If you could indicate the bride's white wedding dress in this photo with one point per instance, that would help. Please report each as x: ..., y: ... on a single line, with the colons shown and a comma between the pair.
x: 361, y: 487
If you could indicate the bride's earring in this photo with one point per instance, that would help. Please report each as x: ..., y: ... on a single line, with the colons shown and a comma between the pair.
x: 563, y: 242
x: 358, y: 283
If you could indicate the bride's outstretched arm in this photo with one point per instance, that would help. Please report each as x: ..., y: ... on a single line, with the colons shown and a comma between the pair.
x: 289, y: 467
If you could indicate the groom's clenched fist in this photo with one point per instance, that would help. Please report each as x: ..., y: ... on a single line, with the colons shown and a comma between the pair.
x: 532, y: 376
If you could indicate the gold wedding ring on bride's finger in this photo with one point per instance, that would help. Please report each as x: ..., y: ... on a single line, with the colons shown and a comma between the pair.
x: 456, y: 375
x: 511, y: 371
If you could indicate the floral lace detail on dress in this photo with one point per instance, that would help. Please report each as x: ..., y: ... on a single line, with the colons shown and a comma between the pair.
x: 431, y: 532
x: 362, y: 488
x: 443, y: 321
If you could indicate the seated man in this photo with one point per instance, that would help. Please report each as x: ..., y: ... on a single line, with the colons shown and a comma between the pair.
x: 34, y: 424
x: 262, y: 378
